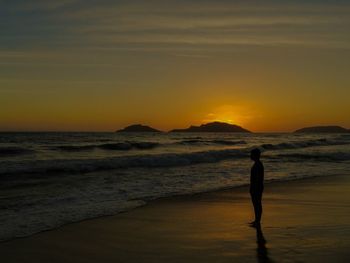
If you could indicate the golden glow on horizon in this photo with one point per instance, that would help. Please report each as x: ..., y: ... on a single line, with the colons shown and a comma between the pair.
x: 229, y: 114
x: 265, y: 67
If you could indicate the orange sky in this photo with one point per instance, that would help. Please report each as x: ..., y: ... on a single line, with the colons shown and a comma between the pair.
x: 100, y: 66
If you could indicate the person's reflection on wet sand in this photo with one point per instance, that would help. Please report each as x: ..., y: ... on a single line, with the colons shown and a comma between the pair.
x: 262, y: 252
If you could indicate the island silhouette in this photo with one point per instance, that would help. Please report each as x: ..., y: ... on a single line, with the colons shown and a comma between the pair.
x: 214, y: 127
x: 138, y: 128
x: 217, y: 126
x: 323, y: 129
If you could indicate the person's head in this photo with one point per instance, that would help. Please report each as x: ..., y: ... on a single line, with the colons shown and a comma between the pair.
x: 255, y: 154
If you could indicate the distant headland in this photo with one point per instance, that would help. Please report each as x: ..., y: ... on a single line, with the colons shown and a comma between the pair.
x: 226, y: 127
x: 138, y: 128
x: 213, y: 127
x: 208, y: 127
x: 323, y: 129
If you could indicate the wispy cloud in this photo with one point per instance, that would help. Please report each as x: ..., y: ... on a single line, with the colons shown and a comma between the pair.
x: 37, y: 5
x: 235, y: 25
x: 105, y: 24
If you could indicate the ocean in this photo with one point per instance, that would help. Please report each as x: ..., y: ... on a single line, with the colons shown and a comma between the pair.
x: 51, y: 179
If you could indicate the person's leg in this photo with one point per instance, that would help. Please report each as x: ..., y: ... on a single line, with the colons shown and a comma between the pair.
x: 259, y: 208
x: 252, y: 198
x: 256, y: 207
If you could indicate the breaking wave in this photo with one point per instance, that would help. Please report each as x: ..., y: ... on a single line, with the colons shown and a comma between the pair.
x: 120, y: 146
x: 161, y: 160
x: 11, y: 151
x: 200, y: 141
x: 302, y: 144
x: 149, y: 161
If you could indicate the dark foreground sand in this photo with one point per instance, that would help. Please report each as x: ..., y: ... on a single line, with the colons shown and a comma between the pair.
x: 303, y: 221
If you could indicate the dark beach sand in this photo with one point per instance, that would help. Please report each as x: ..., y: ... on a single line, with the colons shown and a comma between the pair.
x: 304, y: 221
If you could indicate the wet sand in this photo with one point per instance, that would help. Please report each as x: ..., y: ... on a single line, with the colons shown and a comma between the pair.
x: 303, y: 221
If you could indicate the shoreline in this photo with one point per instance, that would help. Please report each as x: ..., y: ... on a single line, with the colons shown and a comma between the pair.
x: 169, y: 198
x: 177, y: 196
x: 206, y: 227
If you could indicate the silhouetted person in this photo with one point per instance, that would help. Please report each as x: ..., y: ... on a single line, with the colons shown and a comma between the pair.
x: 256, y: 185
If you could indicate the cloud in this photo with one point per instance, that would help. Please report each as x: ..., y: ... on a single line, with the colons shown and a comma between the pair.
x: 148, y: 25
x: 37, y: 5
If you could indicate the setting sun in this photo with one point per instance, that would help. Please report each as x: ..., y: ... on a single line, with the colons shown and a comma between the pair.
x: 230, y: 114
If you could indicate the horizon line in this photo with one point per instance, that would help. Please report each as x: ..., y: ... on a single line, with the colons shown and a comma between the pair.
x: 162, y: 131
